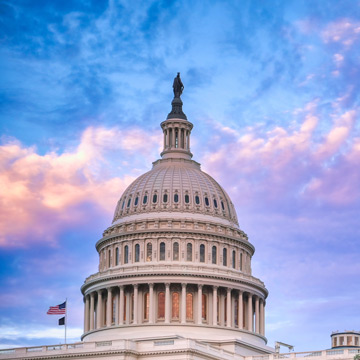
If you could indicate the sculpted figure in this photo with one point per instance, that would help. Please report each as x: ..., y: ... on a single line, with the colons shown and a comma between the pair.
x: 178, y: 86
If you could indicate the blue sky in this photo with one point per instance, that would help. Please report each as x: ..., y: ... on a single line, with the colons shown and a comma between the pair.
x: 272, y: 88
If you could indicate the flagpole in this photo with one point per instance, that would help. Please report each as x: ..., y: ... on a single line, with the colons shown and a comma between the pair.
x: 66, y: 305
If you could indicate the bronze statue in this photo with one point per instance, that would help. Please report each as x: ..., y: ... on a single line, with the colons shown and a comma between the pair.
x: 178, y: 86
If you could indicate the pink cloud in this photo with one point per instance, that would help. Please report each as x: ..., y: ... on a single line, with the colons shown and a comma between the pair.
x: 41, y: 194
x: 344, y: 31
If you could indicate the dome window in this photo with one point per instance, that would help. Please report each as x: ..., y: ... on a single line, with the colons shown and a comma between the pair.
x: 189, y: 252
x: 129, y: 202
x: 162, y: 251
x: 215, y: 203
x: 126, y: 254
x: 137, y: 253
x: 213, y: 254
x: 154, y: 198
x: 187, y: 199
x: 207, y: 201
x: 222, y: 205
x: 165, y: 198
x: 136, y: 201
x: 145, y: 199
x: 117, y: 256
x: 176, y: 198
x: 202, y: 253
x: 233, y: 259
x: 197, y: 200
x: 176, y: 251
x: 224, y: 257
x: 149, y: 252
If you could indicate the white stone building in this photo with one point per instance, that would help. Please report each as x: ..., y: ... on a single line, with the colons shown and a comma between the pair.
x: 174, y: 279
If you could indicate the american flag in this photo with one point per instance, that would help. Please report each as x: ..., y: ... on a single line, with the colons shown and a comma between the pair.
x: 57, y: 310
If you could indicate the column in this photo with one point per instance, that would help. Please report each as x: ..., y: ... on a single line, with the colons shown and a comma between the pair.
x: 86, y: 314
x: 250, y: 313
x: 189, y: 141
x: 167, y: 303
x: 262, y: 317
x: 173, y: 137
x: 228, y: 308
x: 199, y: 304
x: 117, y: 307
x: 167, y: 138
x: 92, y: 311
x: 99, y: 311
x: 135, y: 304
x: 257, y: 313
x: 109, y: 308
x: 164, y: 139
x: 240, y: 310
x: 183, y: 303
x: 215, y: 305
x: 151, y: 303
x: 121, y: 305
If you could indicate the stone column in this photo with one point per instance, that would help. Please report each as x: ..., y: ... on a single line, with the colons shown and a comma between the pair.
x: 167, y: 303
x: 164, y: 139
x: 151, y: 303
x: 228, y: 308
x: 109, y: 308
x: 121, y: 305
x: 167, y: 138
x: 135, y: 309
x: 257, y: 313
x: 92, y: 311
x: 99, y: 311
x: 262, y: 317
x: 199, y: 304
x: 173, y: 138
x: 250, y: 313
x: 240, y: 310
x: 86, y: 313
x: 215, y: 305
x: 189, y: 141
x: 183, y: 303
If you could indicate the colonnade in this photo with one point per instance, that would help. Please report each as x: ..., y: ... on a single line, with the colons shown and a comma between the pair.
x: 174, y: 303
x: 177, y: 137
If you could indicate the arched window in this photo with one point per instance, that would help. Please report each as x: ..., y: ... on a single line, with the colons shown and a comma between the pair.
x: 117, y: 256
x: 189, y: 252
x: 224, y: 257
x: 129, y: 202
x: 148, y: 252
x: 233, y: 259
x: 154, y: 198
x: 189, y: 307
x: 207, y: 201
x: 162, y: 251
x: 136, y: 201
x: 222, y: 206
x: 109, y: 258
x: 137, y: 253
x: 204, y: 307
x: 165, y: 198
x: 187, y: 199
x: 161, y: 305
x: 215, y: 203
x: 176, y: 198
x: 145, y: 199
x: 175, y: 306
x: 241, y: 262
x: 176, y: 251
x: 126, y: 254
x: 202, y: 253
x: 213, y: 254
x: 146, y: 306
x: 197, y: 200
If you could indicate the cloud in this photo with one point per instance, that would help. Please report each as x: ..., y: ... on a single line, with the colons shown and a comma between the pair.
x: 343, y: 31
x: 41, y: 194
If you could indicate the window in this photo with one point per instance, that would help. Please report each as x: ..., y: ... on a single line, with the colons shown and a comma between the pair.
x: 204, y: 307
x: 129, y: 202
x: 176, y: 251
x: 126, y: 254
x: 148, y: 252
x: 202, y: 253
x: 356, y: 341
x: 175, y: 306
x: 335, y: 342
x: 146, y: 306
x: 207, y: 201
x: 145, y: 199
x: 213, y: 254
x: 187, y: 199
x: 241, y: 262
x: 176, y: 138
x: 165, y: 198
x: 176, y: 198
x: 222, y: 206
x: 162, y: 251
x: 109, y: 258
x: 215, y: 203
x: 117, y: 256
x: 224, y: 257
x: 136, y: 201
x: 137, y: 253
x: 123, y: 204
x: 189, y: 306
x: 161, y: 305
x: 189, y: 252
x: 341, y: 342
x: 154, y: 198
x: 197, y: 200
x: 233, y: 259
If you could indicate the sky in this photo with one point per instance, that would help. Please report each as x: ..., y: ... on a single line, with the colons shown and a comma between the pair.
x: 272, y: 88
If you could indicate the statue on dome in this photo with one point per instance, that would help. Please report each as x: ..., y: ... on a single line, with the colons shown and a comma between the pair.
x: 178, y: 86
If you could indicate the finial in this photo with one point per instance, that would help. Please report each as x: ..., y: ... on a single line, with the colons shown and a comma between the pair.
x: 176, y: 111
x: 178, y: 86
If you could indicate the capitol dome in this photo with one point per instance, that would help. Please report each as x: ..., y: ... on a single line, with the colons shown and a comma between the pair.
x: 174, y: 262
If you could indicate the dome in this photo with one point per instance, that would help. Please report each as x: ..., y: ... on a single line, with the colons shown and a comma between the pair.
x: 177, y: 186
